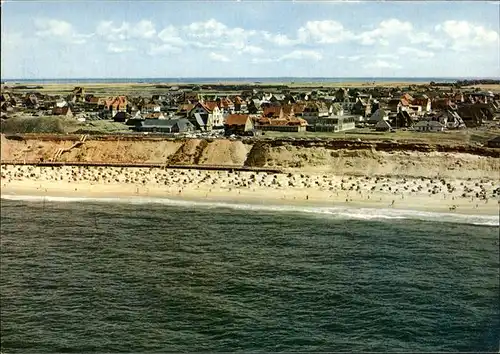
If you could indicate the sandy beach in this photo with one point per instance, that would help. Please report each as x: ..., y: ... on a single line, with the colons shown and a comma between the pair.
x: 463, y: 196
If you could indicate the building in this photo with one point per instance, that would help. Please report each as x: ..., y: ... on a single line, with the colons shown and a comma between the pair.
x: 62, y: 111
x: 429, y: 126
x: 121, y: 117
x: 271, y: 111
x: 240, y: 105
x: 184, y: 109
x: 150, y: 108
x: 424, y: 101
x: 313, y: 111
x: 472, y: 114
x: 181, y: 125
x: 402, y: 120
x: 334, y: 124
x: 380, y: 114
x: 441, y: 103
x: 154, y: 115
x: 206, y: 116
x: 116, y: 104
x: 362, y: 107
x: 382, y: 126
x: 450, y: 119
x: 298, y: 109
x: 225, y: 105
x: 238, y: 124
x: 61, y: 102
x: 281, y: 125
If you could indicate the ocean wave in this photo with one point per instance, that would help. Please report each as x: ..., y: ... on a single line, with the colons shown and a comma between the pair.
x: 340, y: 212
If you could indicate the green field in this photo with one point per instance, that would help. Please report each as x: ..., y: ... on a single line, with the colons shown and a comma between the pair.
x: 147, y: 90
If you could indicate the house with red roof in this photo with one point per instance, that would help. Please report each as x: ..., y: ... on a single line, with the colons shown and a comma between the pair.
x: 424, y: 101
x: 206, y: 116
x: 238, y: 124
x: 398, y: 105
x: 116, y: 104
x: 225, y: 104
x: 240, y: 104
x: 281, y: 124
x: 272, y: 111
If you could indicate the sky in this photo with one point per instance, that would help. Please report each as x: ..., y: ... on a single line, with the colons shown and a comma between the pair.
x: 154, y: 39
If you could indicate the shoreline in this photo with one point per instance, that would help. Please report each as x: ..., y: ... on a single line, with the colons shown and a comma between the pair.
x: 255, y: 188
x: 348, y: 211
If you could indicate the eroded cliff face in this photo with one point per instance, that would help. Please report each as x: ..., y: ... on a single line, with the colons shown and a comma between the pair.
x: 324, y: 156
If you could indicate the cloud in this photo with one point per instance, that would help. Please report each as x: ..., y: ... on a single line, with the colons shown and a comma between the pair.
x: 62, y: 30
x: 307, y: 42
x: 214, y: 29
x: 142, y: 30
x: 325, y: 32
x: 11, y: 38
x: 415, y: 52
x: 117, y: 48
x: 251, y: 49
x: 218, y: 57
x: 381, y: 64
x: 301, y: 55
x: 163, y: 49
x: 351, y: 58
x: 387, y: 56
x: 214, y: 34
x: 295, y: 55
x: 204, y: 45
x: 279, y: 39
x: 207, y: 29
x: 171, y: 36
x: 427, y: 39
x: 386, y: 29
x: 463, y: 35
x: 108, y: 31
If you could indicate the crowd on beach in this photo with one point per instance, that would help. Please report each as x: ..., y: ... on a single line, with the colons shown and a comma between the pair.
x: 292, y: 186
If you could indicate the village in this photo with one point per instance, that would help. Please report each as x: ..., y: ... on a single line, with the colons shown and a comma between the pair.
x: 194, y: 111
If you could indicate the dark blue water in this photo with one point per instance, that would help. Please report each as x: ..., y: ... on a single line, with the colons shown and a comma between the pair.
x: 242, y: 80
x: 121, y: 277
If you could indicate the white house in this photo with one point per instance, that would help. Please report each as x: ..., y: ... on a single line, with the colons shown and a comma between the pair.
x: 334, y: 124
x: 210, y: 113
x: 429, y: 126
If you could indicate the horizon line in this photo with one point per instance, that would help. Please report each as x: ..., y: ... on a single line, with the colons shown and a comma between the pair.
x: 252, y: 77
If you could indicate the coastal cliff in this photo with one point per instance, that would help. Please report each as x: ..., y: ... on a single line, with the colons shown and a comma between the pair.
x: 329, y: 156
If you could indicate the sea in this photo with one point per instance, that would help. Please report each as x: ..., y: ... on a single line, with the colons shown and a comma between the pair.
x: 239, y: 80
x: 159, y: 275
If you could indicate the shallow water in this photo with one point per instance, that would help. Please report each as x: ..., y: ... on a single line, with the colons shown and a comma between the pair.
x: 107, y: 277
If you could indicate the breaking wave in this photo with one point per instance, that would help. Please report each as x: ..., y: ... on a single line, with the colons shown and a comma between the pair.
x: 339, y: 212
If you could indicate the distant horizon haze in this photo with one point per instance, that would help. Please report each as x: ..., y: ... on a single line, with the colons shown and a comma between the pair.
x: 222, y: 80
